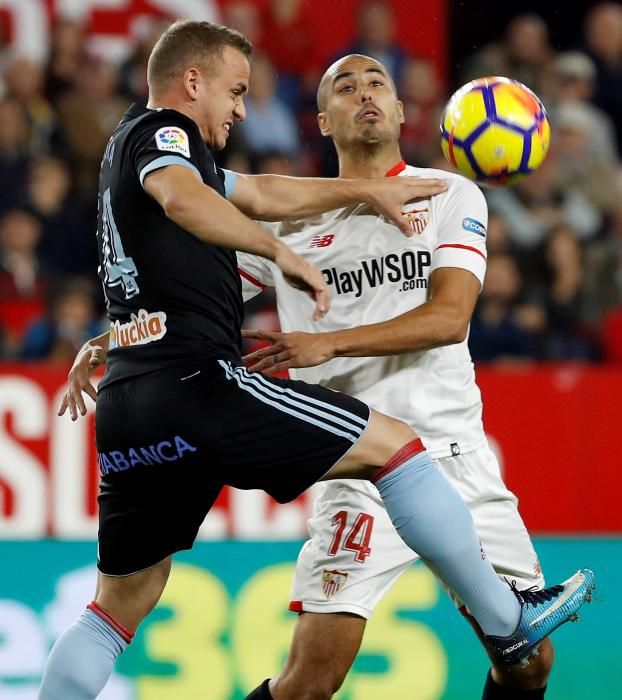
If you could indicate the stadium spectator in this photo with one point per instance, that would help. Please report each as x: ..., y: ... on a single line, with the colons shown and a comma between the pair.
x: 422, y: 94
x: 376, y: 37
x: 71, y: 320
x: 66, y: 53
x: 603, y: 270
x: 270, y: 126
x: 497, y: 236
x: 14, y: 154
x: 603, y: 42
x: 574, y: 74
x: 24, y: 82
x: 580, y: 166
x: 503, y: 328
x: 244, y: 16
x: 87, y: 115
x: 67, y: 245
x: 563, y: 294
x: 540, y: 202
x: 133, y: 71
x: 524, y: 53
x: 22, y: 282
x: 288, y: 37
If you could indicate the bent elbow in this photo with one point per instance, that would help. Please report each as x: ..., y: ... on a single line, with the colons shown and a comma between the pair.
x: 457, y: 332
x: 175, y: 209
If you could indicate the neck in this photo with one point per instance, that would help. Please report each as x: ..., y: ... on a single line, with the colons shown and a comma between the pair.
x: 172, y: 102
x: 368, y: 161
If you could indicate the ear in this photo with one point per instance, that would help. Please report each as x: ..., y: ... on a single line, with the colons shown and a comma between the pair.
x: 400, y: 111
x: 191, y: 83
x: 323, y: 123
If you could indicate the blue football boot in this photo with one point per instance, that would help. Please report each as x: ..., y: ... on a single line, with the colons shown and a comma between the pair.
x: 542, y: 611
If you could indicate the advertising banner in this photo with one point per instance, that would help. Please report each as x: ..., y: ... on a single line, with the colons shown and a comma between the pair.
x: 223, y: 626
x: 555, y: 432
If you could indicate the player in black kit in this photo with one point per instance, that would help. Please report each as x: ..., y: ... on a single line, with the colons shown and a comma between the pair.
x: 177, y: 413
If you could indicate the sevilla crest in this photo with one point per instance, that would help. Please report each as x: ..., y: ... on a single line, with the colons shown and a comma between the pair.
x: 417, y: 218
x: 332, y: 581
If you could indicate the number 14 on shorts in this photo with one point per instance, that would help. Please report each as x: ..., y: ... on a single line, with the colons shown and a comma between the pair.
x: 357, y: 538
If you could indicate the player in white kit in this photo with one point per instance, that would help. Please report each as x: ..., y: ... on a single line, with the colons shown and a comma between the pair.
x: 396, y: 338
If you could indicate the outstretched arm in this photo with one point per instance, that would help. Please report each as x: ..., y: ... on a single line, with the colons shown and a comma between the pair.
x: 277, y: 197
x: 201, y: 211
x: 443, y: 320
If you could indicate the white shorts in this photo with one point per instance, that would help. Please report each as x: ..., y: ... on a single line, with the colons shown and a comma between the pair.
x: 354, y: 555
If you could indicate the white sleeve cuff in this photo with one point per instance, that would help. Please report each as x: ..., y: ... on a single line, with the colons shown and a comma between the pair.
x: 462, y: 256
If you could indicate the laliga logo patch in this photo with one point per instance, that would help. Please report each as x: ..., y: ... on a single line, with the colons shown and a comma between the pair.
x: 417, y: 218
x: 172, y: 138
x: 474, y: 226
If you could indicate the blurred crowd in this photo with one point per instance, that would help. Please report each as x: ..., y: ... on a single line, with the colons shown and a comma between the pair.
x: 553, y: 290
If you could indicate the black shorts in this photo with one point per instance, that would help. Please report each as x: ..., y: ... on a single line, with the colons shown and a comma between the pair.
x: 170, y: 440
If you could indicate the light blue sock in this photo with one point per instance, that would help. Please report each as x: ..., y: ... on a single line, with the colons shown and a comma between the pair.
x: 433, y: 520
x: 81, y: 661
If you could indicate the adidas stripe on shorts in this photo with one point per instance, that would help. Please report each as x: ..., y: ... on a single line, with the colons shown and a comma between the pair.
x: 168, y: 441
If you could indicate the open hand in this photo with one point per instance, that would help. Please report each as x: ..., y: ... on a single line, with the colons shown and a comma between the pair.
x: 388, y: 195
x: 79, y: 380
x: 288, y: 350
x: 302, y: 275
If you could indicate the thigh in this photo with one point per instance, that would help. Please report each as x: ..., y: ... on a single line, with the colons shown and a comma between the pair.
x: 156, y: 485
x: 354, y: 555
x: 499, y: 525
x: 280, y: 435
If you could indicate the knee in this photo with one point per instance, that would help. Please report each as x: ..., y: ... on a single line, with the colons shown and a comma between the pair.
x: 534, y: 675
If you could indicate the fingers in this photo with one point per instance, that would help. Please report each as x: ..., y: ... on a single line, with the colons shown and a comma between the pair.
x: 79, y: 402
x: 261, y: 335
x: 91, y: 391
x: 322, y: 303
x: 63, y: 405
x: 422, y: 187
x: 272, y: 365
x: 260, y: 354
x: 97, y: 356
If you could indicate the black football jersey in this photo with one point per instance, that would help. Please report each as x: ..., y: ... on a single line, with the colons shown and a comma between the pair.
x: 172, y: 299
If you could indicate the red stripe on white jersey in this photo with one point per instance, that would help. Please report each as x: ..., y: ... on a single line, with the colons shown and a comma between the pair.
x: 296, y: 606
x: 250, y: 278
x: 396, y: 169
x: 462, y: 247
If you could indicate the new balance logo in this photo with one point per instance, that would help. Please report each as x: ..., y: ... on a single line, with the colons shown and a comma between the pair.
x: 322, y: 240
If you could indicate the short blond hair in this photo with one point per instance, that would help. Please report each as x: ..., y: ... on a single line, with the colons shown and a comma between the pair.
x: 186, y: 42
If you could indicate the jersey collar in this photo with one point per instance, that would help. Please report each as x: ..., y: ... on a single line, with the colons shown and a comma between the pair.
x: 396, y: 169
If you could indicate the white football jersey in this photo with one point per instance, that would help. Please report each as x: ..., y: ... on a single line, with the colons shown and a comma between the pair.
x: 375, y: 273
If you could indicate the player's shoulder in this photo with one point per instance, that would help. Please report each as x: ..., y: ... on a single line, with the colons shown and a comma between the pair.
x: 167, y: 124
x: 457, y: 185
x: 455, y: 181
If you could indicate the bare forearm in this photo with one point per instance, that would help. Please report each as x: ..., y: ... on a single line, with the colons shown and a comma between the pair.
x: 212, y: 218
x: 428, y: 326
x: 280, y: 197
